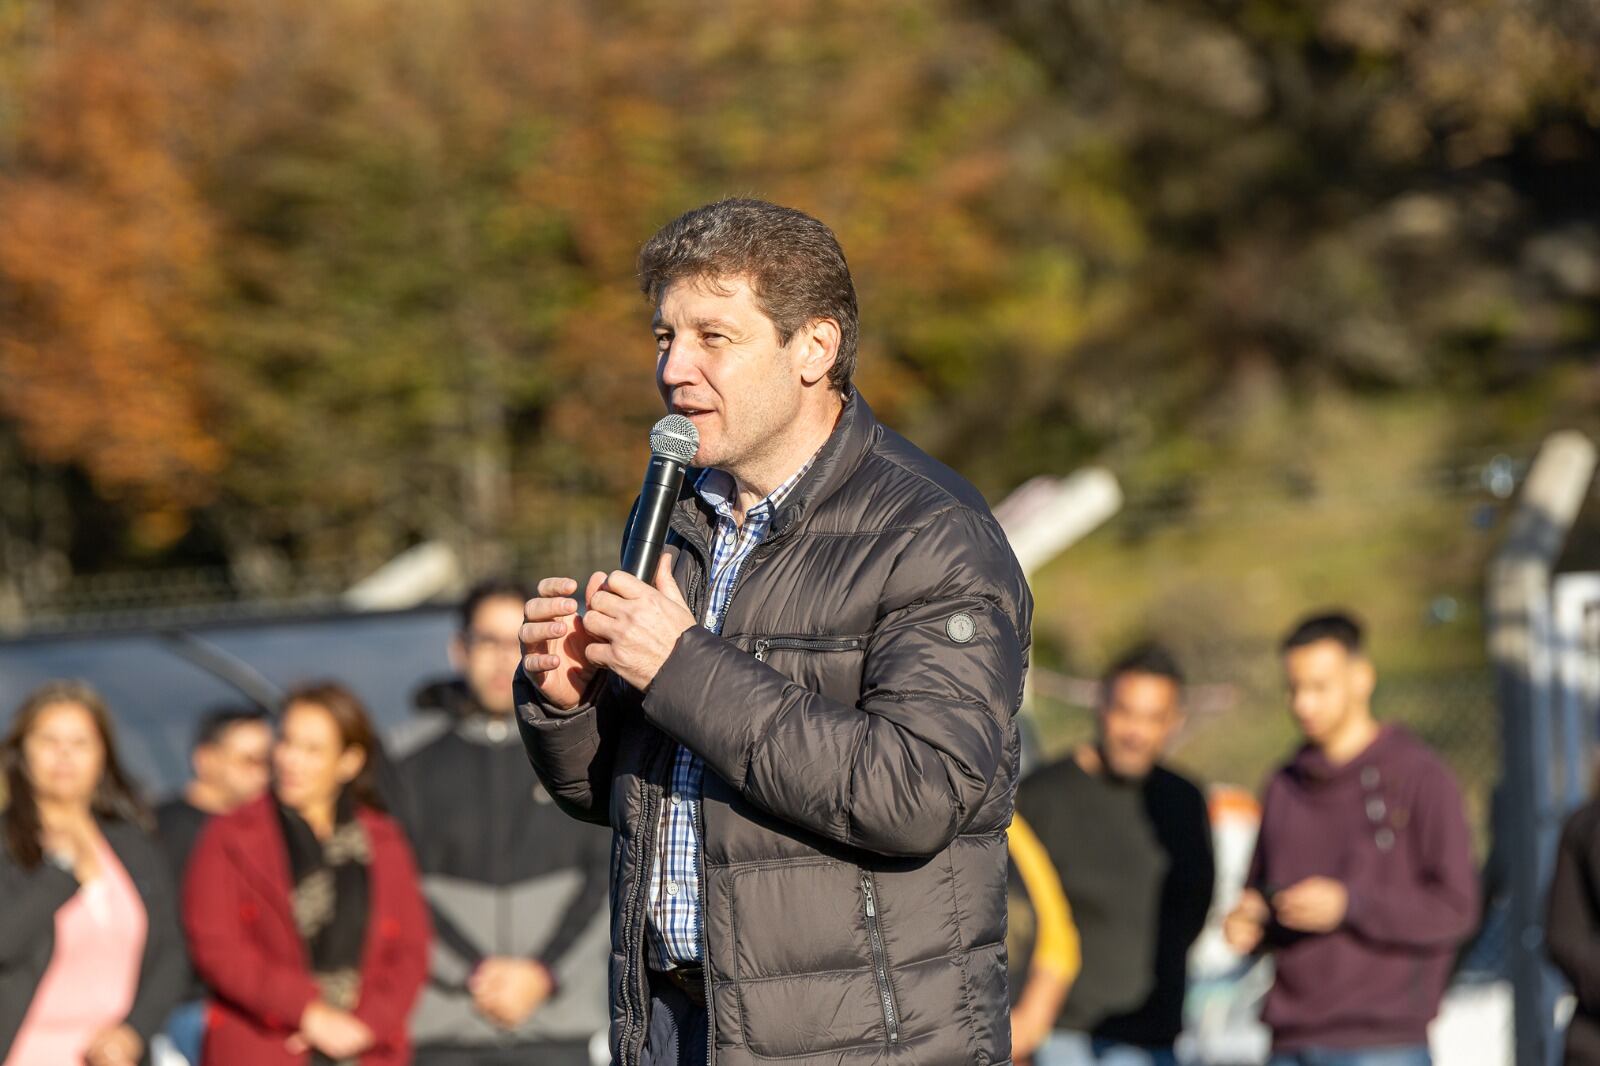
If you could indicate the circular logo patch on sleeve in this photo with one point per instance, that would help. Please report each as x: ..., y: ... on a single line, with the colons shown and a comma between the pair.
x: 961, y: 627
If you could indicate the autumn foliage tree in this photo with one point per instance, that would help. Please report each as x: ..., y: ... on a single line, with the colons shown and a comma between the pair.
x: 105, y: 247
x: 313, y: 279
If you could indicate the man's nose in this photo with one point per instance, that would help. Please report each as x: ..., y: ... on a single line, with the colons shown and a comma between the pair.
x: 678, y: 364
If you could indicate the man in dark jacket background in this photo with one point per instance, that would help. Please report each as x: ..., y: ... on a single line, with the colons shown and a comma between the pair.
x: 517, y: 889
x: 802, y: 732
x: 1363, y: 884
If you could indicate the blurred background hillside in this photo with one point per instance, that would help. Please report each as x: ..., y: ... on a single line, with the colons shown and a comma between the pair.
x: 287, y: 287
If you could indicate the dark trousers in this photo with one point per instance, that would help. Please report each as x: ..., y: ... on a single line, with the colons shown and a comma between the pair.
x: 563, y: 1053
x: 677, y: 1034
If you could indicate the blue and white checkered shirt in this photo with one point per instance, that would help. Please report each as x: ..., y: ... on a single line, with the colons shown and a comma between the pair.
x: 675, y: 909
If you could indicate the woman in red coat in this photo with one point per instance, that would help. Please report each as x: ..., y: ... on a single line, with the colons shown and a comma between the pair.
x: 303, y: 909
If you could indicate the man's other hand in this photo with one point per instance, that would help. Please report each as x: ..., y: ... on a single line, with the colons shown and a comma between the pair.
x: 1246, y: 924
x: 635, y: 626
x: 118, y: 1046
x: 508, y: 990
x: 555, y: 640
x: 1315, y: 905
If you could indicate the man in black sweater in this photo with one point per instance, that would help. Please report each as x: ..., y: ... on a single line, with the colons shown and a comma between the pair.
x: 517, y: 889
x: 1131, y: 841
x: 230, y: 758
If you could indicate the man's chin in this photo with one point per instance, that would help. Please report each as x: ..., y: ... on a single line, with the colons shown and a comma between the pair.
x: 1129, y: 769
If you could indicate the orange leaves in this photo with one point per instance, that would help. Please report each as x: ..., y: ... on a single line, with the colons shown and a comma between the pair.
x: 104, y: 245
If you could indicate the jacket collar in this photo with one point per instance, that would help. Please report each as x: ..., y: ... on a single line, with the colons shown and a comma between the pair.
x: 835, y: 462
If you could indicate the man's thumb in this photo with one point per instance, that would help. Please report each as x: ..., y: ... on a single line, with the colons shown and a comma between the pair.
x: 664, y: 579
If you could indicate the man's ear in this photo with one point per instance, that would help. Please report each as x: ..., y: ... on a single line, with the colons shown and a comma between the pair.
x: 819, y: 348
x: 458, y: 653
x: 1364, y: 677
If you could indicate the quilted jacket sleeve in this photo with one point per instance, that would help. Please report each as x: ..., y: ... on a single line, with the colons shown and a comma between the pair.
x: 903, y: 770
x: 572, y: 751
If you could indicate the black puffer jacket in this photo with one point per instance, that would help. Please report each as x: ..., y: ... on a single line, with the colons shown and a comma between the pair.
x: 855, y: 719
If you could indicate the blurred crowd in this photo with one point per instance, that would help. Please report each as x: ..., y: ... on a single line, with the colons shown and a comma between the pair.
x: 316, y: 894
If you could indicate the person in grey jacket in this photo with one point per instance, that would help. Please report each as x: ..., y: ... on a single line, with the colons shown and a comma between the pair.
x: 802, y: 733
x: 516, y: 889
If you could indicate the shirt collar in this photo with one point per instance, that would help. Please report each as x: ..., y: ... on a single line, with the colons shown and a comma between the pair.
x: 717, y: 488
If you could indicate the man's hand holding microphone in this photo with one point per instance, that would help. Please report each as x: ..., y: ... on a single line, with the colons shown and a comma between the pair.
x: 629, y: 628
x: 631, y: 624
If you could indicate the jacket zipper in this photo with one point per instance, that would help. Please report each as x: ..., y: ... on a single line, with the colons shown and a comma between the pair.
x: 880, y: 964
x: 697, y: 609
x: 651, y: 818
x: 634, y: 981
x: 766, y: 644
x: 705, y: 951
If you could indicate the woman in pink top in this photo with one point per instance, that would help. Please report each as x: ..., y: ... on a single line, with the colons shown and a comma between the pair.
x: 91, y: 959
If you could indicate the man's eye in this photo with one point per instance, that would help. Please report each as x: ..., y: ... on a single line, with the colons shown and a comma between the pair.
x: 715, y: 338
x: 663, y: 341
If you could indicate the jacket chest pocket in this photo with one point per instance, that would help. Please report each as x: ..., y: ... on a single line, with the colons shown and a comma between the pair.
x: 828, y: 665
x: 765, y: 647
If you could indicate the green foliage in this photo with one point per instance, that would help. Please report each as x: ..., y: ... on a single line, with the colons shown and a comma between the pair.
x: 1149, y: 233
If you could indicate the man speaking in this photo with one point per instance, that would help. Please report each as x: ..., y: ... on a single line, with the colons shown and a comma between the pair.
x: 801, y: 733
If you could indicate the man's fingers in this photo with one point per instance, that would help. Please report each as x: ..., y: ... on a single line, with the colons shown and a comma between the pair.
x: 539, y: 632
x: 604, y: 603
x: 557, y: 586
x: 540, y: 663
x: 549, y: 608
x: 621, y: 583
x: 603, y: 626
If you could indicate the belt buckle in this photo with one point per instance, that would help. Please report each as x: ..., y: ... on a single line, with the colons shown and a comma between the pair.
x: 691, y: 982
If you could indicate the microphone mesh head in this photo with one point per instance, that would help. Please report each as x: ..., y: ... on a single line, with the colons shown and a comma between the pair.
x: 676, y: 438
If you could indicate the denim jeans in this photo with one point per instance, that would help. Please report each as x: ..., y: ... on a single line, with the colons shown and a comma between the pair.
x: 186, y: 1028
x: 1408, y: 1055
x: 1081, y: 1049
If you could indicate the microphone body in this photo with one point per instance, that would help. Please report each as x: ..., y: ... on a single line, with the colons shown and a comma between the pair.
x: 673, y: 442
x: 663, y: 480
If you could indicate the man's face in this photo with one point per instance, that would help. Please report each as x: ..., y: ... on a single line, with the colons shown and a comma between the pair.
x: 720, y: 365
x: 1328, y: 687
x: 487, y: 654
x: 238, y: 764
x: 1141, y: 714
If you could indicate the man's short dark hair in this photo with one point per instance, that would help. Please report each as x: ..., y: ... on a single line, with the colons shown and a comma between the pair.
x: 493, y: 588
x: 1341, y: 627
x: 1146, y: 658
x: 218, y: 720
x: 796, y: 268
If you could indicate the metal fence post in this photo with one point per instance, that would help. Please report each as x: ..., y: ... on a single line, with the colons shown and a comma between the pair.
x: 1519, y: 638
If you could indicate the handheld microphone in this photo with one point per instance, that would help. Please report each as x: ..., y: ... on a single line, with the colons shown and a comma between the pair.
x: 673, y: 442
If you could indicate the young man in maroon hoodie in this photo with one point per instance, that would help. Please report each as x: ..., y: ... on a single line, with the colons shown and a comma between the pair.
x: 1363, y: 882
